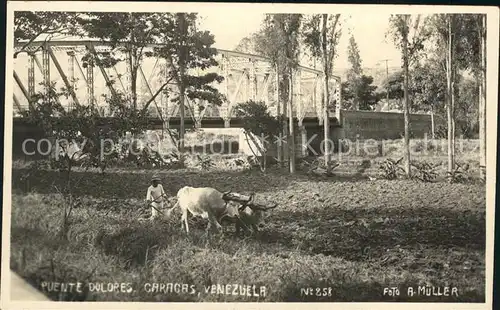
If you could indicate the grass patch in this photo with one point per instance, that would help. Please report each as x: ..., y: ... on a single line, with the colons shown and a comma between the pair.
x: 351, y: 236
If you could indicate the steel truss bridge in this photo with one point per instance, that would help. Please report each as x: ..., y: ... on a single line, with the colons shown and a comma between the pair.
x: 246, y: 77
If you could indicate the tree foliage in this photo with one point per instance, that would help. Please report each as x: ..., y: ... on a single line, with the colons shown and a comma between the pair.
x: 323, y: 44
x: 190, y: 48
x: 261, y: 128
x: 186, y: 46
x: 321, y: 34
x: 249, y: 44
x: 466, y: 31
x: 129, y: 36
x: 354, y: 75
x: 267, y: 125
x: 187, y: 51
x: 428, y: 87
x: 416, y: 30
x: 360, y: 89
x: 279, y: 40
x: 467, y: 109
x: 394, y: 85
x: 31, y: 25
x: 354, y: 59
x: 78, y: 128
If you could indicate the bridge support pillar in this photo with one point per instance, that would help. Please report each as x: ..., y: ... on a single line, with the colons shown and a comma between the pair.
x: 303, y: 140
x: 165, y: 127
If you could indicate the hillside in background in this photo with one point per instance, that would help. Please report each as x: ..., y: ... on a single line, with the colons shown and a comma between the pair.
x: 378, y: 73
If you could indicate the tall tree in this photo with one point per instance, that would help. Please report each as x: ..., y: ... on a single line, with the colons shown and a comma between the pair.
x: 444, y: 26
x: 464, y: 36
x: 321, y: 35
x: 408, y: 35
x: 450, y: 83
x: 355, y: 71
x: 278, y: 39
x: 186, y: 49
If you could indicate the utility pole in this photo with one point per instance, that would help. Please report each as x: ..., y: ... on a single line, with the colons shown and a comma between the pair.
x: 387, y: 78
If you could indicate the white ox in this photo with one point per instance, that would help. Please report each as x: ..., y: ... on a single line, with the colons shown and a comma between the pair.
x: 206, y: 202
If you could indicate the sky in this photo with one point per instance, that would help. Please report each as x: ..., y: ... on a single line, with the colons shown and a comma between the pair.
x: 368, y: 31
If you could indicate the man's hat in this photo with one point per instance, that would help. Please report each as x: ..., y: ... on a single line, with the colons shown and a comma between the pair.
x: 156, y: 178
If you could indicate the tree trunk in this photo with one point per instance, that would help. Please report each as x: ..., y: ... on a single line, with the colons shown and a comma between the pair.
x: 181, y: 111
x: 482, y: 101
x: 279, y: 147
x: 291, y: 124
x: 449, y: 91
x: 132, y: 67
x: 405, y: 103
x: 134, y: 91
x: 432, y: 124
x: 133, y: 87
x: 326, y: 121
x: 286, y: 137
x: 182, y: 59
x: 453, y: 122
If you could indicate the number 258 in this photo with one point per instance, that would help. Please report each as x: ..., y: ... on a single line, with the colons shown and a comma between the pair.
x: 322, y: 292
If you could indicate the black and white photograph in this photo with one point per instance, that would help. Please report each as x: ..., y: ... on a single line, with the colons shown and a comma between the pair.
x: 222, y: 154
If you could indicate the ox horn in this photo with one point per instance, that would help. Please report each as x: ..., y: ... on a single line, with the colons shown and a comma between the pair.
x: 224, y: 194
x: 261, y: 207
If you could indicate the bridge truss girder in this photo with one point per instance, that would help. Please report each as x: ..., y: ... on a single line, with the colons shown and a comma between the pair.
x: 246, y: 77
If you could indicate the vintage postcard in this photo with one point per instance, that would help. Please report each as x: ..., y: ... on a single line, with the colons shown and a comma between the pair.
x: 249, y: 155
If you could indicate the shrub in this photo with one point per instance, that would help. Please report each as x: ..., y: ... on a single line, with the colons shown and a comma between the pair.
x: 391, y: 169
x: 424, y: 171
x: 460, y: 174
x: 205, y: 162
